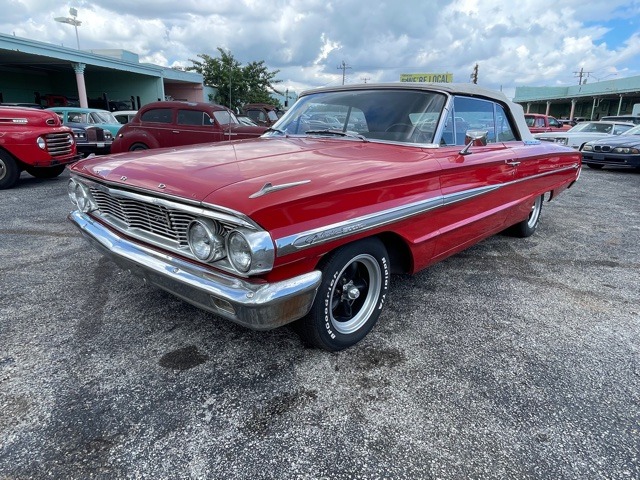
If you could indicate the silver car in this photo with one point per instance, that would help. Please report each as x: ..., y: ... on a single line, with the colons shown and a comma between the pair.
x: 585, y: 132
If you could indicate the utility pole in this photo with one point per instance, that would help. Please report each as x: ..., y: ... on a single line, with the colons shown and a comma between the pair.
x: 580, y: 75
x: 474, y: 75
x: 343, y: 67
x: 364, y: 79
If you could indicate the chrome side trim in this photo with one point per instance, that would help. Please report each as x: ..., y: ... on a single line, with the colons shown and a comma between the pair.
x: 259, y: 306
x: 269, y: 187
x: 309, y: 238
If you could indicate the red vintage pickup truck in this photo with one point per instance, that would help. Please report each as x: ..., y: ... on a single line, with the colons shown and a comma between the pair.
x: 544, y: 123
x: 33, y: 140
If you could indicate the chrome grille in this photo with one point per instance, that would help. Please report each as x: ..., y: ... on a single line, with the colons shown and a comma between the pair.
x: 59, y: 144
x: 135, y: 215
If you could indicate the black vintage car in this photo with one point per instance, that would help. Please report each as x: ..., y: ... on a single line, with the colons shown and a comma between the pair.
x: 91, y: 138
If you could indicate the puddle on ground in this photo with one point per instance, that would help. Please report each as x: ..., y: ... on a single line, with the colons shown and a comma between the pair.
x: 183, y: 358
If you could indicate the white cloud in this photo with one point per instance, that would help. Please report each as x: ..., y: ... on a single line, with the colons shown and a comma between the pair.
x: 535, y: 43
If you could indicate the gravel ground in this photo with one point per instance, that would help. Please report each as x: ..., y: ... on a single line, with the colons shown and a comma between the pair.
x: 514, y: 359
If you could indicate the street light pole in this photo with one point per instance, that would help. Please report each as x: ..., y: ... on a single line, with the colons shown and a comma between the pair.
x: 71, y: 21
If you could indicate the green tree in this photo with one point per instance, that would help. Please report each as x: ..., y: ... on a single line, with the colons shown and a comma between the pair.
x: 237, y: 84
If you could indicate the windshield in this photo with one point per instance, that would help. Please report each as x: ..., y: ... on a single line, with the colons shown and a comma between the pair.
x: 225, y: 117
x: 633, y: 131
x: 399, y: 115
x: 105, y: 117
x: 600, y: 127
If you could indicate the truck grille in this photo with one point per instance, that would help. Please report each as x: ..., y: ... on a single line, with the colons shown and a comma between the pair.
x: 59, y: 144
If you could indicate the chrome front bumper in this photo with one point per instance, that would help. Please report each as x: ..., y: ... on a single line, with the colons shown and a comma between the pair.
x: 259, y: 306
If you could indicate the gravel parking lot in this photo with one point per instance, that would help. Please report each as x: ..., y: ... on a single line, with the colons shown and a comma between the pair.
x: 514, y: 359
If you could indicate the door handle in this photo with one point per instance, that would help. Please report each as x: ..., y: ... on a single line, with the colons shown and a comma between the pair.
x: 513, y: 163
x: 175, y: 131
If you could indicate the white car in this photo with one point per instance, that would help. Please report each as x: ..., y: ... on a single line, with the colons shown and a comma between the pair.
x: 124, y: 116
x: 585, y: 132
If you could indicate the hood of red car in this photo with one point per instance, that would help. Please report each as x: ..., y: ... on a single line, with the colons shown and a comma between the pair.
x: 230, y: 173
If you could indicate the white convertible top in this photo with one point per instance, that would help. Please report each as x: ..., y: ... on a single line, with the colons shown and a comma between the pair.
x: 469, y: 89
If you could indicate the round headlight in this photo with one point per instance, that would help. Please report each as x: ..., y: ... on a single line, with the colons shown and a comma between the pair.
x: 72, y: 191
x: 205, y: 240
x: 80, y: 196
x: 83, y: 199
x: 42, y: 143
x: 239, y: 251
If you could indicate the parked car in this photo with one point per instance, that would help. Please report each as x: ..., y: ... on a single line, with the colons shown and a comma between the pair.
x: 88, y: 116
x: 244, y: 120
x: 124, y: 116
x: 544, y: 123
x: 263, y: 114
x: 22, y: 104
x: 176, y: 123
x: 622, y: 151
x: 91, y: 138
x: 308, y: 225
x: 33, y: 140
x: 584, y: 132
x: 623, y: 118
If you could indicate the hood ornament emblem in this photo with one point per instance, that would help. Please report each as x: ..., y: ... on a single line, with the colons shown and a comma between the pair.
x: 269, y: 188
x: 162, y: 186
x: 123, y: 178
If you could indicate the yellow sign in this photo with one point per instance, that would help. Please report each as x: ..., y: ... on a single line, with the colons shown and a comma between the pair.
x: 427, y: 77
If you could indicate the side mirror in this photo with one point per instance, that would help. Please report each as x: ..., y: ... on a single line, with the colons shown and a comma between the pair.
x: 476, y: 138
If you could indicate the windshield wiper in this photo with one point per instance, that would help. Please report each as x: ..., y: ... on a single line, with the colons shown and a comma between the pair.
x: 277, y: 130
x: 331, y: 131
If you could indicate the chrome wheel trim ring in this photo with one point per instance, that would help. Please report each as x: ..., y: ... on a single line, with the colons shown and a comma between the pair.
x: 535, y: 212
x: 374, y: 272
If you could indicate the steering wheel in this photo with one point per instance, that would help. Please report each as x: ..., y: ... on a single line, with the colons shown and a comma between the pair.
x: 398, y: 127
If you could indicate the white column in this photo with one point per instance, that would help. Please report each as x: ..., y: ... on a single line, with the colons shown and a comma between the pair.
x: 573, y: 108
x: 82, y: 89
x: 619, y: 105
x: 548, y: 108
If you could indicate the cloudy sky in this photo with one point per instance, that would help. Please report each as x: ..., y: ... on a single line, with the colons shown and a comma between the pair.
x: 514, y: 43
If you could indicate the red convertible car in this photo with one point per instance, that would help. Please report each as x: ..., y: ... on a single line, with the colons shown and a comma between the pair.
x: 307, y: 223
